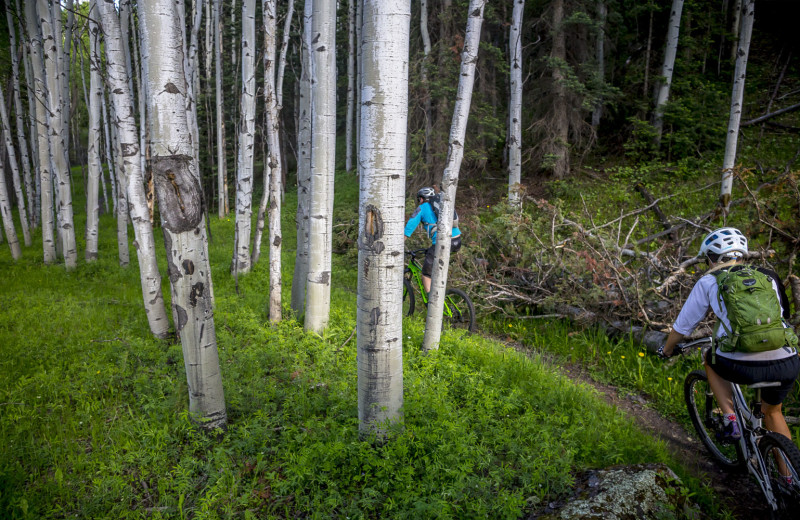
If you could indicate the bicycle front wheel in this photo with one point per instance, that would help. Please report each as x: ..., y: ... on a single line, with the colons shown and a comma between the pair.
x: 782, y: 459
x: 408, y: 298
x: 459, y: 312
x: 707, y: 418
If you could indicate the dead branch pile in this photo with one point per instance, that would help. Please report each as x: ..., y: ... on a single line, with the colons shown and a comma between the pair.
x: 558, y: 265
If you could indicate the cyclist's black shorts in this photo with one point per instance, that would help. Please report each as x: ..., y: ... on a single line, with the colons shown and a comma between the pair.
x: 427, y: 267
x: 749, y: 372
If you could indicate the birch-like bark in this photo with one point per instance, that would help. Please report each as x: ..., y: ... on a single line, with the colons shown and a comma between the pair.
x: 180, y: 200
x: 110, y: 161
x: 42, y: 119
x: 737, y: 101
x: 287, y: 31
x: 515, y: 105
x: 427, y: 102
x: 382, y: 164
x: 244, y: 169
x: 736, y: 22
x: 273, y: 159
x: 58, y: 144
x: 323, y: 156
x: 15, y: 176
x: 664, y: 83
x: 222, y: 163
x: 5, y: 212
x: 359, y: 73
x: 299, y: 280
x: 193, y: 73
x: 600, y: 54
x: 93, y: 152
x: 22, y: 140
x: 351, y: 64
x: 455, y: 153
x: 66, y: 65
x: 122, y: 99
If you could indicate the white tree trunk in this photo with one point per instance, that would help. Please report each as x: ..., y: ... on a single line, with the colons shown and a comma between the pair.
x: 58, y: 146
x: 602, y: 14
x: 122, y: 99
x: 737, y: 101
x: 323, y: 156
x: 515, y: 106
x: 65, y: 64
x: 663, y: 85
x: 5, y: 212
x: 110, y: 161
x: 287, y: 31
x: 244, y: 169
x: 382, y: 164
x: 180, y: 201
x: 351, y: 64
x: 22, y: 140
x: 299, y: 280
x: 15, y: 177
x: 455, y: 153
x: 736, y: 21
x: 273, y: 159
x: 93, y: 152
x: 41, y: 128
x: 222, y: 164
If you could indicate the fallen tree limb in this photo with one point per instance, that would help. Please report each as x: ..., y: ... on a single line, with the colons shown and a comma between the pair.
x: 771, y: 115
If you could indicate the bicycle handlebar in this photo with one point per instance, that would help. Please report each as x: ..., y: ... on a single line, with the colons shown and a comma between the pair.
x: 688, y: 346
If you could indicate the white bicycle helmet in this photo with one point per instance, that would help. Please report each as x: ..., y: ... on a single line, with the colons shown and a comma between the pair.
x: 425, y: 193
x: 724, y: 242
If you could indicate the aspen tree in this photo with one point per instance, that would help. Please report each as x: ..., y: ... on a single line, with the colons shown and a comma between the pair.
x: 180, y: 201
x: 323, y: 157
x: 426, y: 49
x: 93, y: 152
x: 15, y: 177
x: 382, y: 164
x: 5, y: 212
x: 670, y: 50
x: 515, y: 105
x: 222, y: 163
x: 737, y: 100
x: 455, y: 153
x: 351, y: 65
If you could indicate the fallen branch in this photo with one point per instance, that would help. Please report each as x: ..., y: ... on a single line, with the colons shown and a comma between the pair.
x: 771, y: 115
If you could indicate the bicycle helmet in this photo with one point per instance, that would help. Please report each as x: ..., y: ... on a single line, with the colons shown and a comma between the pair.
x: 724, y: 242
x: 425, y: 193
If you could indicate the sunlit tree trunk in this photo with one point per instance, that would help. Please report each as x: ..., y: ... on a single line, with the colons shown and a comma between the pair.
x: 22, y: 140
x: 58, y: 144
x: 180, y: 201
x: 5, y: 212
x: 323, y: 155
x: 244, y: 169
x: 455, y: 153
x: 382, y: 164
x: 515, y: 105
x: 131, y: 179
x: 222, y: 163
x: 15, y: 176
x: 670, y: 50
x: 41, y: 128
x: 299, y: 280
x: 351, y: 65
x: 95, y: 167
x: 737, y: 100
x: 273, y: 160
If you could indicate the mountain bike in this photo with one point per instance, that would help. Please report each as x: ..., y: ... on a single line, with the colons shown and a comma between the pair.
x: 459, y: 313
x: 771, y: 458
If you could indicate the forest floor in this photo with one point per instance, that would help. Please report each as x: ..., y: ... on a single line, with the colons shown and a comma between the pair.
x: 737, y: 489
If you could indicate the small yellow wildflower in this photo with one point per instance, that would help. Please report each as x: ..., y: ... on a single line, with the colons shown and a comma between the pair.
x: 623, y: 357
x: 669, y: 379
x: 641, y: 354
x: 609, y: 352
x: 510, y: 325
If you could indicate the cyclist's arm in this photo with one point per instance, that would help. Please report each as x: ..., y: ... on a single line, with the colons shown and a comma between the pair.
x: 413, y: 222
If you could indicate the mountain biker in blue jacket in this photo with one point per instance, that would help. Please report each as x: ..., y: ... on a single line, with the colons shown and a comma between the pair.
x: 425, y: 214
x: 725, y: 248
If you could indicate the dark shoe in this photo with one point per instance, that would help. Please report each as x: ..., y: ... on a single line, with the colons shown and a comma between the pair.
x: 730, y: 434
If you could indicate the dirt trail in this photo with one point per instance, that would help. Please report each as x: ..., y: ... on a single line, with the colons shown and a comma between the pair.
x: 737, y: 489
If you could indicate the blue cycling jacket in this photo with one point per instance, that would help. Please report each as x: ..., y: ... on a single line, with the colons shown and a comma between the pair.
x: 424, y: 213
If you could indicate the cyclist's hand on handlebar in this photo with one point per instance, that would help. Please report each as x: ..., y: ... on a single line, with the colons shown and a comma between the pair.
x: 676, y: 351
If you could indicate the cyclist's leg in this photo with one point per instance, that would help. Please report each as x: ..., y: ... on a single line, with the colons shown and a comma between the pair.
x: 427, y: 268
x: 774, y: 419
x: 785, y: 371
x: 719, y: 386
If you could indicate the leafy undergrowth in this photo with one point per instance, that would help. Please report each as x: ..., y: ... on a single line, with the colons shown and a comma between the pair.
x: 93, y: 420
x: 622, y: 362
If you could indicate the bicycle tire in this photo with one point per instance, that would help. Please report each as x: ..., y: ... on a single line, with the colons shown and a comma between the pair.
x: 707, y: 420
x: 408, y: 298
x: 787, y: 494
x: 464, y: 315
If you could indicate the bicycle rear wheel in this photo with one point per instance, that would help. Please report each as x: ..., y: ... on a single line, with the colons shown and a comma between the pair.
x: 782, y: 459
x: 707, y: 419
x: 408, y: 298
x: 459, y: 312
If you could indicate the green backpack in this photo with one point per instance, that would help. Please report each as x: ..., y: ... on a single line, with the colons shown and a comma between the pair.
x: 754, y: 312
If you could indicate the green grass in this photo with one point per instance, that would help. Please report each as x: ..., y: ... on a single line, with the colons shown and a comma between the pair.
x: 94, y: 424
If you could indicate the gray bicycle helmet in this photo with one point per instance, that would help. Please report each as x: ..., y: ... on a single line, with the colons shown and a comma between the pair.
x: 724, y: 242
x: 425, y: 193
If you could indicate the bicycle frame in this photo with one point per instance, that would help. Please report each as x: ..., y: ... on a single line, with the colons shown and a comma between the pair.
x: 414, y: 272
